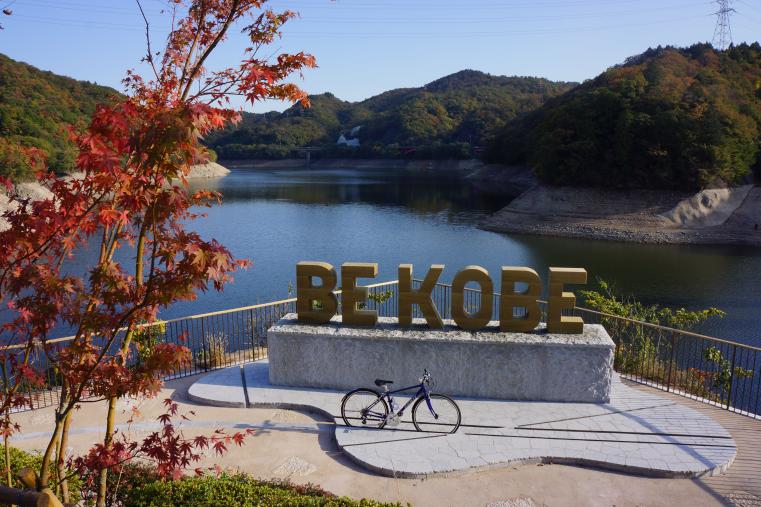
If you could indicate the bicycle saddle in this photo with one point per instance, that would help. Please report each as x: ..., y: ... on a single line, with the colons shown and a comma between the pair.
x: 380, y: 382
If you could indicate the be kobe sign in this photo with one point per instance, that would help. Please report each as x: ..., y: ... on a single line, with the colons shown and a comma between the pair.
x: 317, y: 304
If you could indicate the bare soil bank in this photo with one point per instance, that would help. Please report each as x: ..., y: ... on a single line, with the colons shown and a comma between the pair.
x: 713, y: 216
x: 35, y: 191
x: 208, y: 170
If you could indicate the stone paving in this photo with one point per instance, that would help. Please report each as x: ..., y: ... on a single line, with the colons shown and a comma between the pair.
x: 636, y: 432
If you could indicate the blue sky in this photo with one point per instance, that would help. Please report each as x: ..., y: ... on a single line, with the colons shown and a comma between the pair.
x: 364, y: 47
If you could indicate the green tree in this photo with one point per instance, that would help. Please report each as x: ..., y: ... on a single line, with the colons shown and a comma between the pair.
x: 667, y: 119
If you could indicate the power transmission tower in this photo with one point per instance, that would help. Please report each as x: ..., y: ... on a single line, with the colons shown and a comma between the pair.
x: 722, y: 34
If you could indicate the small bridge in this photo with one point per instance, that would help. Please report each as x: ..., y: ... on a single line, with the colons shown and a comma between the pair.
x: 308, y: 150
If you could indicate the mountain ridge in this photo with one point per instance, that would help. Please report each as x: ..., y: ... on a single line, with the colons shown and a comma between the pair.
x: 445, y: 118
x: 669, y: 118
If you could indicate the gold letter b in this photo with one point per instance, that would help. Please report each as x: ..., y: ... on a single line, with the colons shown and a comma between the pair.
x: 315, y: 305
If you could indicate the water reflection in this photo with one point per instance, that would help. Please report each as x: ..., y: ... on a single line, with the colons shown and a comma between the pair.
x: 277, y: 218
x: 419, y: 193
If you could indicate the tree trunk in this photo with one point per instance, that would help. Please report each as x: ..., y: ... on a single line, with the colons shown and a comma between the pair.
x: 103, y: 479
x: 8, y: 477
x: 111, y: 414
x: 6, y: 439
x: 63, y: 482
x: 48, y: 455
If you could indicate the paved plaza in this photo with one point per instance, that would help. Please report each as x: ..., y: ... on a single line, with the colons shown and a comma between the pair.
x: 301, y: 447
x: 637, y: 432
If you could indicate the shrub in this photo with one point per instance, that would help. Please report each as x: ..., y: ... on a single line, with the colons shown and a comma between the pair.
x: 377, y: 297
x: 238, y: 489
x: 122, y: 483
x: 646, y: 351
x: 147, y: 337
x: 22, y: 459
x: 214, y: 352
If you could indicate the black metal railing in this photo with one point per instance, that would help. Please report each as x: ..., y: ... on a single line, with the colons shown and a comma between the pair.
x: 715, y: 371
x: 215, y: 340
x: 712, y: 370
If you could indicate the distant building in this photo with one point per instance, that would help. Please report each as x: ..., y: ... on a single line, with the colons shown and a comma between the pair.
x: 352, y: 140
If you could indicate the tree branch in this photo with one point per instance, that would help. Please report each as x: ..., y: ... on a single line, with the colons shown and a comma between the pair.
x: 197, y: 66
x: 148, y: 40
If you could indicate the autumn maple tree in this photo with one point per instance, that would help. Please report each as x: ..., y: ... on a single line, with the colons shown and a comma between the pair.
x: 124, y: 218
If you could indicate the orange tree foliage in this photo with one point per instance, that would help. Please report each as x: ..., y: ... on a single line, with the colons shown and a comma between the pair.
x: 131, y: 201
x: 669, y: 118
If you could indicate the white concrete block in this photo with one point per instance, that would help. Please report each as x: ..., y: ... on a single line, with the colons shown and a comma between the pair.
x: 537, y: 366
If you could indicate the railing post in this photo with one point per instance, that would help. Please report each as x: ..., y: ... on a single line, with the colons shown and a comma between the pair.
x: 252, y: 325
x: 671, y: 362
x: 206, y: 353
x: 731, y: 377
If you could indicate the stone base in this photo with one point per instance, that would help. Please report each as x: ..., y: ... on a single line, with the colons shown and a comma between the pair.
x: 536, y: 366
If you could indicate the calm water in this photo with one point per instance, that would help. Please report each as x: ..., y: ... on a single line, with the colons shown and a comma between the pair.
x: 277, y: 218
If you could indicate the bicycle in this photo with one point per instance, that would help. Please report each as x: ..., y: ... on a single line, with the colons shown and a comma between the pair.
x: 371, y: 408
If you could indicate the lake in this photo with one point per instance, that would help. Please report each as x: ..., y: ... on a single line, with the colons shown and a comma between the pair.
x: 277, y: 218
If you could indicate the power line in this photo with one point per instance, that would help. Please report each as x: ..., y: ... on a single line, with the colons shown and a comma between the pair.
x: 743, y: 13
x: 83, y: 23
x: 439, y: 5
x: 414, y: 18
x: 722, y: 34
x: 496, y: 33
x: 748, y: 4
x: 460, y: 20
x: 97, y: 9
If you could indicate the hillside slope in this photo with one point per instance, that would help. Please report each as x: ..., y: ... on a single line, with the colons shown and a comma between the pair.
x: 445, y: 118
x: 675, y: 119
x: 713, y: 216
x: 35, y: 107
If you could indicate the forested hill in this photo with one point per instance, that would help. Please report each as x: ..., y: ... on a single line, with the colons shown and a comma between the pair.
x: 35, y: 107
x: 669, y: 118
x: 445, y: 118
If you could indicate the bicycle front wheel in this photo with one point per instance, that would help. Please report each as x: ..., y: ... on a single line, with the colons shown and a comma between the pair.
x: 364, y: 408
x: 445, y: 417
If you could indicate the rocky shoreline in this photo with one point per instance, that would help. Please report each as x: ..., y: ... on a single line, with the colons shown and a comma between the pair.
x: 35, y: 191
x: 713, y: 216
x: 720, y: 216
x: 208, y: 170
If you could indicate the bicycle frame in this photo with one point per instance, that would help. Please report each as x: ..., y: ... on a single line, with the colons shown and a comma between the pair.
x: 422, y: 390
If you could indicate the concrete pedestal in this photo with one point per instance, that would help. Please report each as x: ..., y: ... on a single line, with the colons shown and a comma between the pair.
x: 536, y: 366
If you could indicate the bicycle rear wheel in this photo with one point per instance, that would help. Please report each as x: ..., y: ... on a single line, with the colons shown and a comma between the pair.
x: 364, y: 408
x: 447, y: 416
